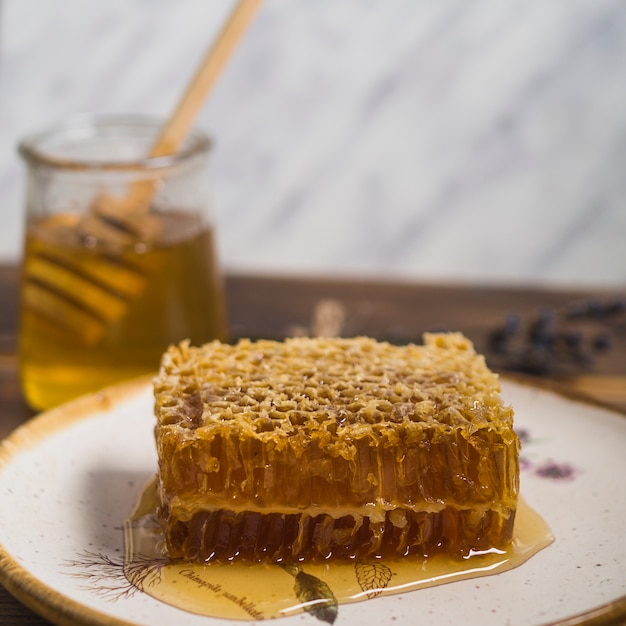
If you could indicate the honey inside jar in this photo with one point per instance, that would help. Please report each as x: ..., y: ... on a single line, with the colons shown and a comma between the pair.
x: 94, y: 316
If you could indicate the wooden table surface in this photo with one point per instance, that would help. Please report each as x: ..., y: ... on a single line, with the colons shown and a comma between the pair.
x: 574, y: 340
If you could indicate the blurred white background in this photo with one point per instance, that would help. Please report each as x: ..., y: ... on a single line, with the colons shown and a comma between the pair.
x: 458, y: 140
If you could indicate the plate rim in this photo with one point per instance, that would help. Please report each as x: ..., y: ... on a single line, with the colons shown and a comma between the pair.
x: 64, y: 611
x: 25, y: 587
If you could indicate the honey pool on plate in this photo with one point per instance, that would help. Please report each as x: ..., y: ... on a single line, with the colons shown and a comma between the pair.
x: 254, y: 592
x: 93, y: 315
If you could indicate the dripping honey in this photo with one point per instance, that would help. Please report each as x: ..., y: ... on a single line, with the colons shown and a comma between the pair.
x: 246, y: 591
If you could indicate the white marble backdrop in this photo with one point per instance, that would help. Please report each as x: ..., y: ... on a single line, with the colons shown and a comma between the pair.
x: 454, y: 140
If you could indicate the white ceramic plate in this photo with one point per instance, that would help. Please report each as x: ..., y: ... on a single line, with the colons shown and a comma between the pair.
x: 69, y: 479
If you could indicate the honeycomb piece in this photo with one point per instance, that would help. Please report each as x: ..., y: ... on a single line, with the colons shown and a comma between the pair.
x: 314, y: 448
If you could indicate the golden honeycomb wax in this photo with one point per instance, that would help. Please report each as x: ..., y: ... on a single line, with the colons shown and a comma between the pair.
x: 315, y: 448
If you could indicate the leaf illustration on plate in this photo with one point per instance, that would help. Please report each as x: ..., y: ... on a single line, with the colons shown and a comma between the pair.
x: 372, y: 577
x: 315, y: 595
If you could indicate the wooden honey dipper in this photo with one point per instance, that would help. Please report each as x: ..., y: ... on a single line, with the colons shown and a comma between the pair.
x: 55, y: 285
